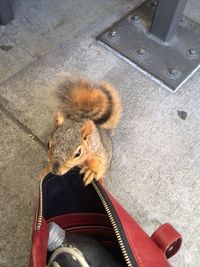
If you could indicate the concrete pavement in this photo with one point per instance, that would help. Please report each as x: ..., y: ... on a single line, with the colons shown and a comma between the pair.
x: 156, y: 165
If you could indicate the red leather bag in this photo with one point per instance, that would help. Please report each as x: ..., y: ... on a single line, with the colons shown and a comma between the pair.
x: 92, y: 210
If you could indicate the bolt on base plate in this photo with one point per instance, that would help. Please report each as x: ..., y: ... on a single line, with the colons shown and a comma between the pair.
x: 170, y: 63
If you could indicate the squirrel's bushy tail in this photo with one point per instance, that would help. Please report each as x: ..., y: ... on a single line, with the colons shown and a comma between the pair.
x: 98, y: 102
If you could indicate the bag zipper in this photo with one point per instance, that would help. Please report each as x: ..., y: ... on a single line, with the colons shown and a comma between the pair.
x: 40, y: 208
x: 124, y: 246
x: 128, y: 257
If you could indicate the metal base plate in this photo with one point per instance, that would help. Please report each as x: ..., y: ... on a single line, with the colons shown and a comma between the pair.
x: 169, y: 63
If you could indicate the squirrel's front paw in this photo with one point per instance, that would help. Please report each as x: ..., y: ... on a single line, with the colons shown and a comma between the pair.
x: 89, y: 176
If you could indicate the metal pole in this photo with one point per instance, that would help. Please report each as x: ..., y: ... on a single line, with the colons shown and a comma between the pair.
x: 171, y: 63
x: 6, y: 13
x: 166, y: 18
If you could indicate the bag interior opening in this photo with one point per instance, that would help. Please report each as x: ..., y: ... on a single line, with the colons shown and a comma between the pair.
x: 67, y: 195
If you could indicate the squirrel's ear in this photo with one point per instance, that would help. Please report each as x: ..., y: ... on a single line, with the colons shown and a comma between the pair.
x: 59, y: 119
x: 87, y: 130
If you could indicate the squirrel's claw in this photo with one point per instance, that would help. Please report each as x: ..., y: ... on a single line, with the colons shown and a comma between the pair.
x: 89, y: 177
x: 83, y: 170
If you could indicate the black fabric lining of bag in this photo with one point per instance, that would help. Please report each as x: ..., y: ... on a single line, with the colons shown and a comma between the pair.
x: 67, y: 194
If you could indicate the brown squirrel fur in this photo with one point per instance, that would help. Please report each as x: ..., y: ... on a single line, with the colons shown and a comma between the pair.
x: 87, y: 113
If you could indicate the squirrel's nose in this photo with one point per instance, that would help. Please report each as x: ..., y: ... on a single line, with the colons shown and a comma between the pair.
x: 56, y: 166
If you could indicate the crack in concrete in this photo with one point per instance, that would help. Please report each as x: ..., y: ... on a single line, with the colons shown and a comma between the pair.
x: 23, y: 127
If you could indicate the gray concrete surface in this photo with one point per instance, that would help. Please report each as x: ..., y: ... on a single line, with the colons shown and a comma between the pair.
x: 156, y: 165
x: 40, y: 25
x: 19, y: 166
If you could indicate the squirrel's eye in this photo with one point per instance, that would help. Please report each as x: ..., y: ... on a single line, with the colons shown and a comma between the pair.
x: 78, y: 153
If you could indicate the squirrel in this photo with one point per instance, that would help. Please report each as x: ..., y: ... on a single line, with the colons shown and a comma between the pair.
x: 88, y: 112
